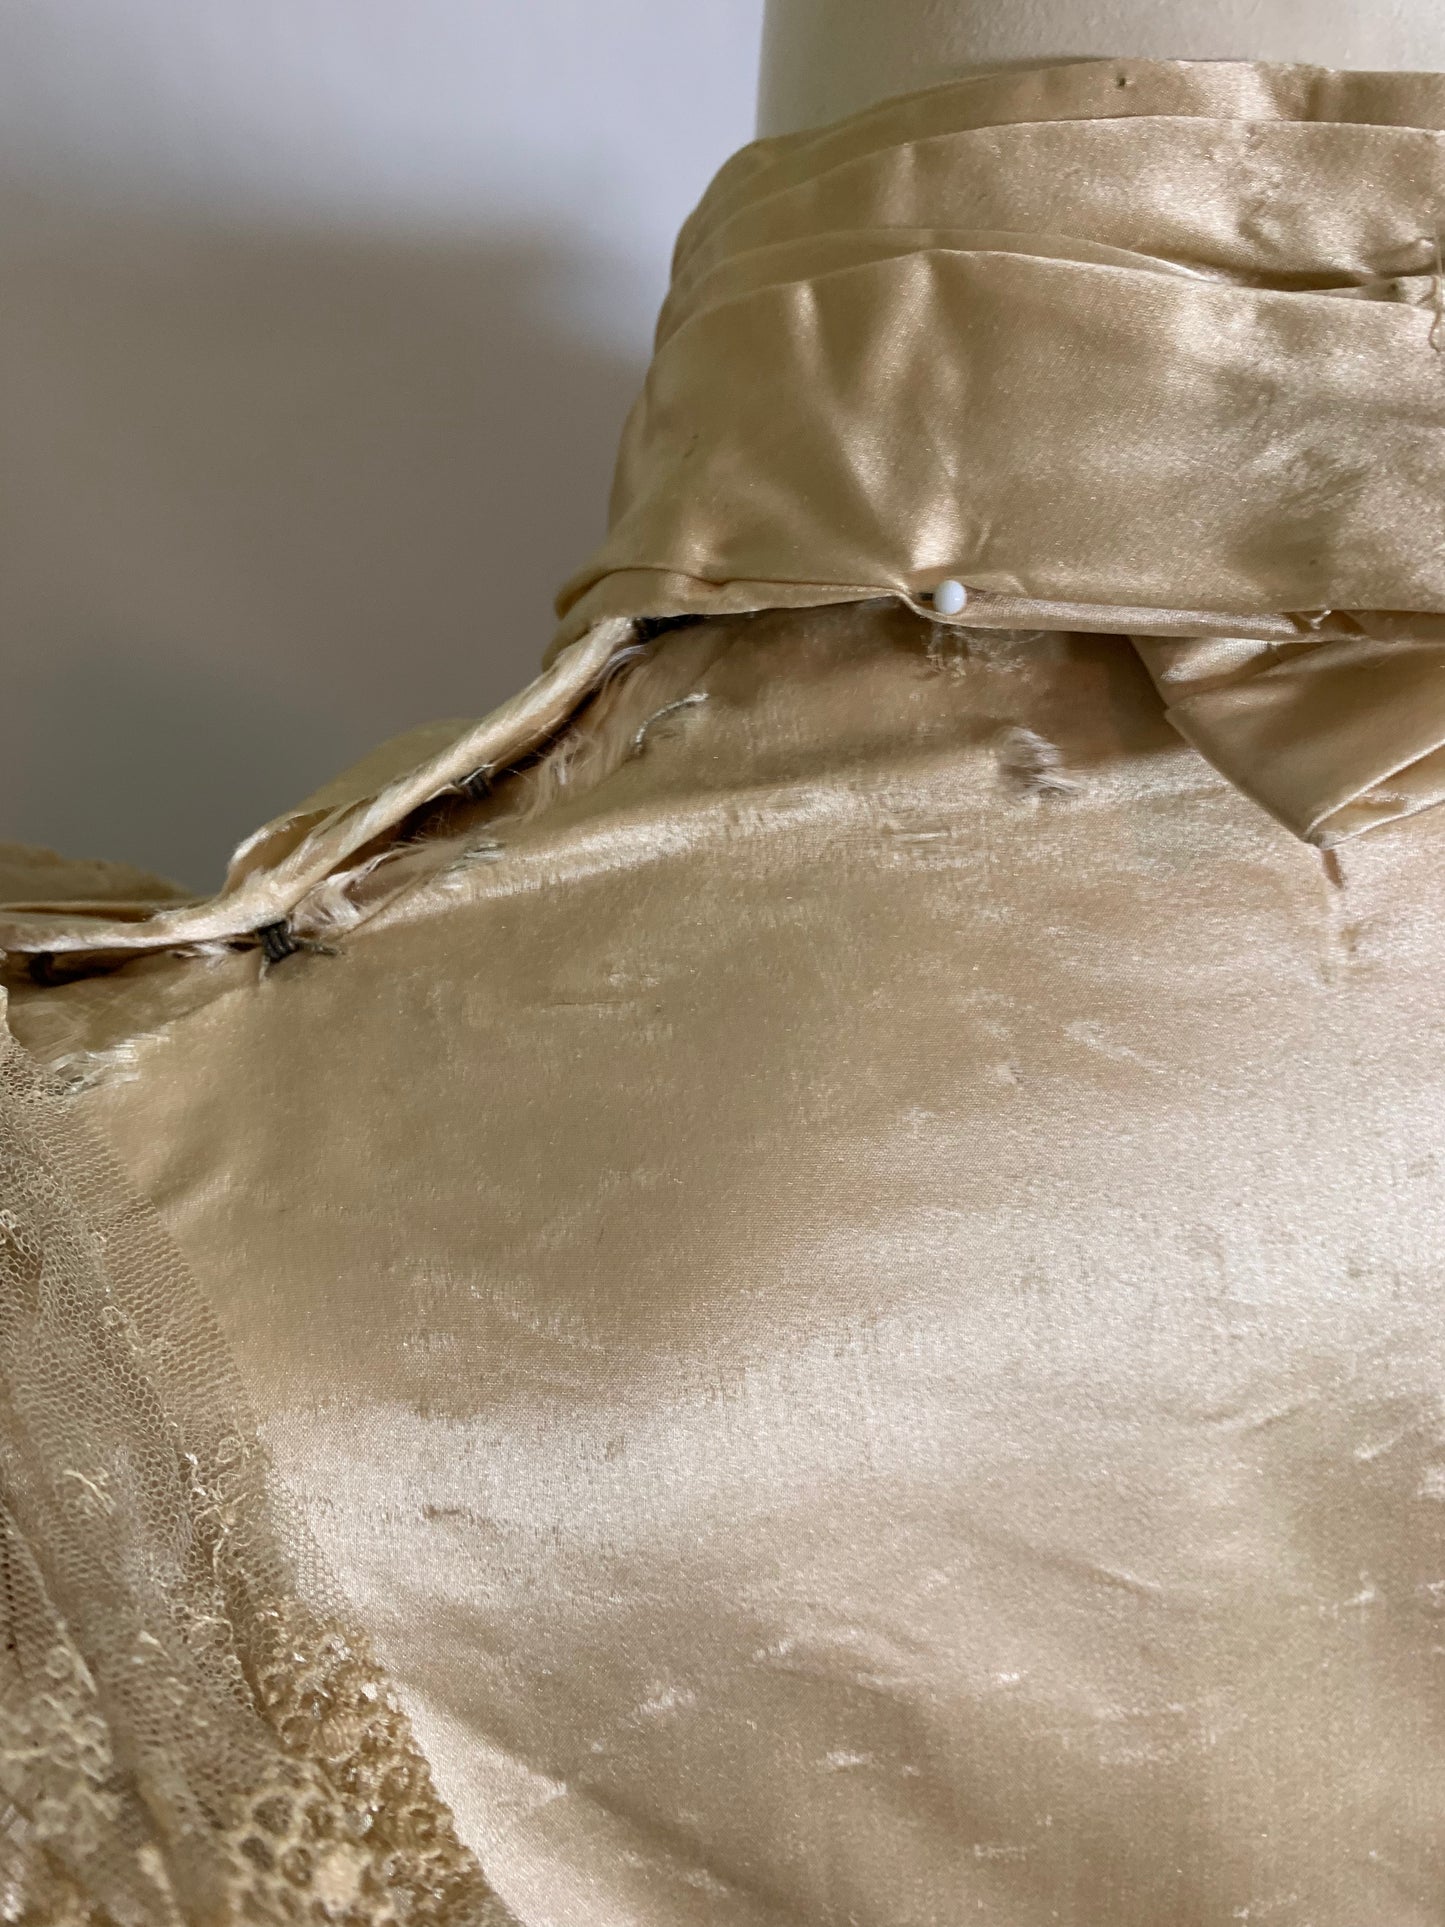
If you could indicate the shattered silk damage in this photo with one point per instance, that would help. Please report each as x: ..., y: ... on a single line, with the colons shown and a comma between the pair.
x: 801, y: 1279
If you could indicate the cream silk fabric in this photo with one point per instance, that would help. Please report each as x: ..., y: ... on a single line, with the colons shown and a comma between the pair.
x: 857, y: 1305
x: 1158, y: 339
x: 835, y: 1234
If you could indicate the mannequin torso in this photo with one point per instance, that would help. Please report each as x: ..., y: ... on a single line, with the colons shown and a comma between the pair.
x: 826, y: 58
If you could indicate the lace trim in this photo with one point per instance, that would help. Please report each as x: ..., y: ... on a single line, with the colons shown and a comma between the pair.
x: 190, y: 1731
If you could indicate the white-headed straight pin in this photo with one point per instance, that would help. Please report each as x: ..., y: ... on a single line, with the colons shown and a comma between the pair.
x: 950, y: 598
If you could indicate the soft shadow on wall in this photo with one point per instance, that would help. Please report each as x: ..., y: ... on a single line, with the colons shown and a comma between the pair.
x: 269, y: 498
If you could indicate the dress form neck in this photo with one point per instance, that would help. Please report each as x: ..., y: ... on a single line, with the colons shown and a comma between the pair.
x: 826, y: 58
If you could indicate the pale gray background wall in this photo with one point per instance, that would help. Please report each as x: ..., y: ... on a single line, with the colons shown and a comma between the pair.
x: 318, y: 320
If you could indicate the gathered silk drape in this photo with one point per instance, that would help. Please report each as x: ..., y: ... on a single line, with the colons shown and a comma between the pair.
x: 1144, y: 347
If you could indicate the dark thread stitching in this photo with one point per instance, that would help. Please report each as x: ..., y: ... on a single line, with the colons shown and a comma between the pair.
x: 478, y: 785
x: 277, y: 941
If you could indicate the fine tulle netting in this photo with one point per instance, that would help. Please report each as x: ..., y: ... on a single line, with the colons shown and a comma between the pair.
x: 189, y: 1730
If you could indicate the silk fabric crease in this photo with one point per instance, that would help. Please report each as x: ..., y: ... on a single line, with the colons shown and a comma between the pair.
x: 831, y: 1223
